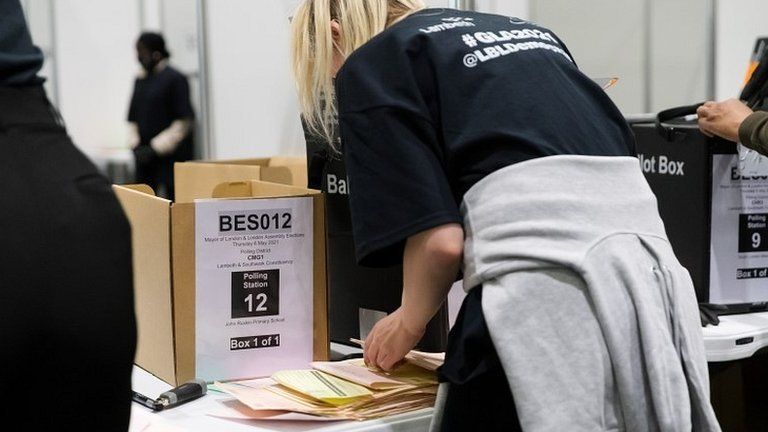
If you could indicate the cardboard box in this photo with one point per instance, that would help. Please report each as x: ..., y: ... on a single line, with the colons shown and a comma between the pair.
x: 164, y: 273
x: 197, y: 179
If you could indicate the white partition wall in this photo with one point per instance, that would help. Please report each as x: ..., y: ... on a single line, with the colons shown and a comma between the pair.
x: 739, y: 23
x: 151, y: 14
x: 251, y: 94
x: 437, y: 3
x: 606, y: 39
x: 516, y: 8
x: 665, y: 52
x: 39, y: 16
x: 681, y: 53
x: 660, y: 49
x: 96, y: 65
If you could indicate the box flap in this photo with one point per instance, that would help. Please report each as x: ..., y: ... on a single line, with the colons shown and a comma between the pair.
x: 150, y: 219
x: 259, y: 189
x: 297, y: 165
x: 282, y: 175
x: 145, y: 189
x: 197, y: 179
x: 250, y: 161
x: 183, y: 234
x: 322, y: 348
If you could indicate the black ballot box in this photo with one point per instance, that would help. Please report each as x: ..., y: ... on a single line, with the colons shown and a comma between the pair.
x: 716, y: 218
x: 357, y: 296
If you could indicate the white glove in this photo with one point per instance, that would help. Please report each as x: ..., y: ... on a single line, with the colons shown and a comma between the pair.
x: 133, y: 139
x: 166, y: 141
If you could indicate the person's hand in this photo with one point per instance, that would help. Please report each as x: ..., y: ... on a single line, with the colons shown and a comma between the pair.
x: 391, y: 339
x: 164, y: 144
x: 168, y: 140
x: 144, y: 154
x: 723, y: 118
x: 134, y: 139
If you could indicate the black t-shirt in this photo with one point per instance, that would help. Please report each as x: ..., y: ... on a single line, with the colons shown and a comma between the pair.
x: 443, y: 98
x: 158, y: 100
x: 20, y: 60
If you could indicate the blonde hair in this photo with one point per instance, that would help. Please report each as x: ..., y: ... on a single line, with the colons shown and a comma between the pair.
x: 313, y: 49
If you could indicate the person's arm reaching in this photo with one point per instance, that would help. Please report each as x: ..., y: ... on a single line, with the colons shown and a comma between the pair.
x: 753, y: 132
x: 431, y: 261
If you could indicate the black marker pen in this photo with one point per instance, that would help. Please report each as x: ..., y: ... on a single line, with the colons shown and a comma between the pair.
x: 147, y: 402
x: 176, y: 396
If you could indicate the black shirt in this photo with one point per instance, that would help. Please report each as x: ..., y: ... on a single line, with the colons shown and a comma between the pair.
x: 158, y: 100
x: 443, y: 98
x: 20, y: 60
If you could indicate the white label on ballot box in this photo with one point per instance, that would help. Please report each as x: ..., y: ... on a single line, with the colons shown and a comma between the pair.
x: 739, y: 240
x: 253, y: 298
x: 752, y: 163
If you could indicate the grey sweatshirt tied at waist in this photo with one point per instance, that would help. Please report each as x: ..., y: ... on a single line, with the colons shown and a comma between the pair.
x: 594, y: 319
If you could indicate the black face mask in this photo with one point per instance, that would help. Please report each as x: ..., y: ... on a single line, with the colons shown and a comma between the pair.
x: 148, y: 64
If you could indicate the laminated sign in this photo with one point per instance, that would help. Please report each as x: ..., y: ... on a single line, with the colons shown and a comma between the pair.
x: 254, y: 275
x: 752, y: 163
x: 739, y: 252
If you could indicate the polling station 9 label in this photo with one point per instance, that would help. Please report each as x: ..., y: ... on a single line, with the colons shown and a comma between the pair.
x: 753, y: 232
x: 256, y: 221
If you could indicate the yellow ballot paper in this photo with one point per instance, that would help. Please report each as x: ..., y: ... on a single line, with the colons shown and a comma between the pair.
x: 322, y: 386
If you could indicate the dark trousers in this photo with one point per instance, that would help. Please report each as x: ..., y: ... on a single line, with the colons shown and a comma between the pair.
x: 67, y: 325
x: 479, y: 398
x: 156, y: 172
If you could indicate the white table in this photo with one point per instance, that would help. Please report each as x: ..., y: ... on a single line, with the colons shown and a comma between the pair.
x: 193, y: 416
x: 737, y: 337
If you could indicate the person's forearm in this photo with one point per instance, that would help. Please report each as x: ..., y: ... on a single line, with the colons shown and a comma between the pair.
x: 753, y: 132
x: 134, y: 139
x: 166, y: 141
x: 431, y: 261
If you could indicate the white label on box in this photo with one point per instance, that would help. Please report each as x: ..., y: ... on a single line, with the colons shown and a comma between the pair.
x: 739, y: 240
x: 752, y: 163
x: 254, y: 275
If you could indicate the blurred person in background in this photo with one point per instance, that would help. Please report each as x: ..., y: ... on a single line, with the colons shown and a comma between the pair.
x: 67, y: 325
x: 160, y: 116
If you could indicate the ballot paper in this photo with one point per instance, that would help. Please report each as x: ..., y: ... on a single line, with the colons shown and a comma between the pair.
x: 429, y: 361
x: 262, y: 399
x: 347, y: 390
x: 354, y: 370
x: 234, y: 410
x: 322, y: 386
